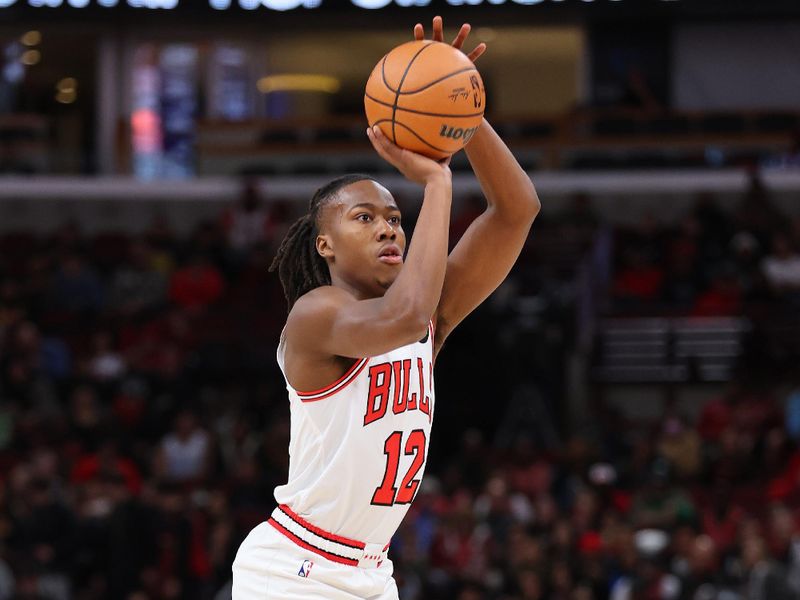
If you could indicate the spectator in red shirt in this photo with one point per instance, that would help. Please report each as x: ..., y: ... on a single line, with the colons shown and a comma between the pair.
x: 638, y: 282
x: 107, y: 463
x: 717, y: 414
x: 197, y: 284
x: 722, y: 298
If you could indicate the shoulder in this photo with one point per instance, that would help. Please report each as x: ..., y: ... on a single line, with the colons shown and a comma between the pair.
x: 315, y: 309
x: 321, y: 299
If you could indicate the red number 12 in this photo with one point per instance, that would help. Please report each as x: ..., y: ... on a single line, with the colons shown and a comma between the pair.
x: 387, y: 494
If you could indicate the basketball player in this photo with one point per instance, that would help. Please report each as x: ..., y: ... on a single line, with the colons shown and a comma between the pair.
x: 363, y: 331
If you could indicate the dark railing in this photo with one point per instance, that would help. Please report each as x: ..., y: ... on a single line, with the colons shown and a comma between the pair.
x: 583, y: 139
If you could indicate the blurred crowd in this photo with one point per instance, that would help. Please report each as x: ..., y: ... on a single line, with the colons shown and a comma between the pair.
x: 712, y: 262
x: 144, y: 422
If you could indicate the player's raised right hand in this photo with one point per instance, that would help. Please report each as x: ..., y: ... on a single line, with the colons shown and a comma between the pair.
x: 414, y: 167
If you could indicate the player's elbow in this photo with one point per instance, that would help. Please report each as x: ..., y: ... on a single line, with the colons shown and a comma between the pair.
x: 519, y: 211
x: 528, y: 207
x: 412, y: 322
x: 530, y: 202
x: 417, y: 325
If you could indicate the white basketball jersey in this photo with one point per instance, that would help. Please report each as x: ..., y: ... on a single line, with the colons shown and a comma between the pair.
x: 358, y: 446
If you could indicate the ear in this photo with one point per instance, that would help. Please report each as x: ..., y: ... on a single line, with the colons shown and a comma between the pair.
x: 324, y: 247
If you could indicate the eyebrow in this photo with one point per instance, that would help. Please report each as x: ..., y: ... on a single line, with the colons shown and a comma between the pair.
x: 370, y: 205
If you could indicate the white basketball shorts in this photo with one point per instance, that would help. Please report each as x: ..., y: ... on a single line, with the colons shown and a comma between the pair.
x: 269, y: 566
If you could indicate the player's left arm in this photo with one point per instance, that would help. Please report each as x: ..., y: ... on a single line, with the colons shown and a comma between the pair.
x: 491, y: 245
x: 484, y: 255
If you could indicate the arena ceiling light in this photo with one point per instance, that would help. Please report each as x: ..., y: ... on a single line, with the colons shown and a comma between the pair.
x: 67, y: 90
x: 298, y: 82
x: 31, y: 57
x: 31, y: 38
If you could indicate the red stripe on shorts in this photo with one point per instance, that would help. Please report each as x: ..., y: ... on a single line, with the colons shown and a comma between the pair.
x: 321, y: 532
x: 307, y: 546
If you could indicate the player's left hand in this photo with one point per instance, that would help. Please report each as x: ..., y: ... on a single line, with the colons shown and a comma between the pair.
x: 438, y: 36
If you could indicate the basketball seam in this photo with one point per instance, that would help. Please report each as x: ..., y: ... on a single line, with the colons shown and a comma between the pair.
x: 434, y: 82
x: 416, y: 135
x: 383, y: 75
x: 421, y: 112
x: 400, y: 85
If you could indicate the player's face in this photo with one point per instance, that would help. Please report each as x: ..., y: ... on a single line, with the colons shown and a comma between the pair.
x: 362, y: 239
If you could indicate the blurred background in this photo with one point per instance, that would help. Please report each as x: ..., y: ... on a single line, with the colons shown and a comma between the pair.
x: 629, y: 428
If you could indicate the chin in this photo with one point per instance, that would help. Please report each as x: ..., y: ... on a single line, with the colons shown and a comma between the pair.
x: 385, y: 284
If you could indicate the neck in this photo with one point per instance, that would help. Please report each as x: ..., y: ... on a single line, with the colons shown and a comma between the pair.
x: 358, y: 292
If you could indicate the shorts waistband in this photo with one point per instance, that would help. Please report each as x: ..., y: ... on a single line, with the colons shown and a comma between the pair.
x: 329, y: 545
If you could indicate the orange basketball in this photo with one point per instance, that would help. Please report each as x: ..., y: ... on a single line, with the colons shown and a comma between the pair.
x: 427, y: 97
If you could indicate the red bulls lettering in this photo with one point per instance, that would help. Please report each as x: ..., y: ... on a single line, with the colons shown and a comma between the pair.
x: 401, y: 399
x: 424, y: 401
x: 380, y: 378
x: 412, y: 400
x: 394, y: 379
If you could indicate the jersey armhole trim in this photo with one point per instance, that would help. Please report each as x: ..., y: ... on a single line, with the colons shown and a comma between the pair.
x: 336, y: 386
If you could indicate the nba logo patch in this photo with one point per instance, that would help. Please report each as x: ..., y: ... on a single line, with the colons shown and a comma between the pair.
x: 305, y: 568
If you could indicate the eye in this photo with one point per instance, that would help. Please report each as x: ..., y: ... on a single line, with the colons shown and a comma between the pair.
x: 394, y: 220
x: 364, y: 218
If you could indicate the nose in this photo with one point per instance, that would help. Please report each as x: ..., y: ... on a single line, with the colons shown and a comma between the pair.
x: 386, y: 231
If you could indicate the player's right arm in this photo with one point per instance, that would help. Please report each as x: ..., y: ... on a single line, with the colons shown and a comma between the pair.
x: 330, y: 321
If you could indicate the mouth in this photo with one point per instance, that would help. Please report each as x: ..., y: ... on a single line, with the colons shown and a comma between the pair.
x: 391, y: 255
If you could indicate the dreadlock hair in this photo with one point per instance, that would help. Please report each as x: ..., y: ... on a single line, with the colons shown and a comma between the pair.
x: 300, y: 267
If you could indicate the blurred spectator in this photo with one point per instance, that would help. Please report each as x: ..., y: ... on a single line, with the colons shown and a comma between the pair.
x: 197, y: 284
x: 246, y: 224
x: 239, y: 441
x: 139, y: 284
x: 162, y: 245
x: 704, y: 578
x: 659, y: 503
x: 22, y: 380
x: 723, y: 296
x: 681, y: 447
x: 48, y: 356
x: 715, y: 227
x: 792, y: 409
x: 105, y: 362
x: 765, y: 579
x: 757, y: 213
x: 716, y: 414
x: 782, y: 268
x: 87, y: 422
x: 783, y: 542
x: 160, y: 346
x: 721, y: 516
x: 44, y: 535
x: 650, y: 579
x: 76, y: 287
x: 11, y: 305
x: 106, y: 465
x: 185, y: 452
x: 746, y: 262
x: 683, y: 279
x: 638, y: 282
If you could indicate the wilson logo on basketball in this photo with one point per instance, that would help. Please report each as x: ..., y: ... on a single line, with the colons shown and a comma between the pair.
x: 457, y: 133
